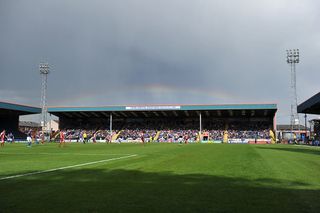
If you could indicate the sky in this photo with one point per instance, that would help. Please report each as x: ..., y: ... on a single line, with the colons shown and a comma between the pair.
x: 122, y: 52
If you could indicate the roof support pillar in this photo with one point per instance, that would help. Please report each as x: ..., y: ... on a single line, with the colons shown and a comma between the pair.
x: 305, y: 127
x: 111, y: 124
x: 200, y: 126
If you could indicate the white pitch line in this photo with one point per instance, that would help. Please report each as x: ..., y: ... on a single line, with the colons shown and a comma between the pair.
x: 308, y: 147
x: 63, y: 153
x: 65, y: 167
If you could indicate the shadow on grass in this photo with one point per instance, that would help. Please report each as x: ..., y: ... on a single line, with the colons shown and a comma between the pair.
x: 95, y: 190
x: 297, y: 149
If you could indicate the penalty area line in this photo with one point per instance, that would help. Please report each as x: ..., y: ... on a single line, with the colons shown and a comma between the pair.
x: 65, y: 167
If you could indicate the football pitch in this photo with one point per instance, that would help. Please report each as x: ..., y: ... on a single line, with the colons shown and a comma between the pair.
x: 159, y: 178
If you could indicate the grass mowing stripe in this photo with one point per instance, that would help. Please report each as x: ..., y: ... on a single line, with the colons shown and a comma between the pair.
x: 65, y: 167
x: 163, y: 178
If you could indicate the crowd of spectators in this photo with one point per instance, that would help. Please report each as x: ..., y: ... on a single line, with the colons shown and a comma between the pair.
x: 164, y: 130
x: 178, y: 135
x: 258, y: 130
x: 88, y: 135
x: 104, y: 135
x: 215, y: 135
x: 80, y: 134
x: 137, y: 135
x: 173, y: 131
x: 138, y: 131
x: 213, y: 131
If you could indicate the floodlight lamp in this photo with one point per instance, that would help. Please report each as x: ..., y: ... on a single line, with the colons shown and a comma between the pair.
x: 44, y: 68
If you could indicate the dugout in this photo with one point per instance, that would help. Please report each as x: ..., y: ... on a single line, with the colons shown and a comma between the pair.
x: 192, y: 116
x: 9, y: 117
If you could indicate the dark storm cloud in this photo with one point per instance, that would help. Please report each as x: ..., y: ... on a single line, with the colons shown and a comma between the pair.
x: 142, y: 51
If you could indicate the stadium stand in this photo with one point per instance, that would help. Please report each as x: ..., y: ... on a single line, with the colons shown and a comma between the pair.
x: 312, y: 106
x: 163, y: 123
x: 172, y: 123
x: 9, y: 117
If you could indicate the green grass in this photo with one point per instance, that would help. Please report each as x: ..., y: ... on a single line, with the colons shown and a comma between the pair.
x: 161, y: 178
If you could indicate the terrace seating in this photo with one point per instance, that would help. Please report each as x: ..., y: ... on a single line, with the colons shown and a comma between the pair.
x: 178, y: 135
x: 136, y: 135
x: 175, y: 131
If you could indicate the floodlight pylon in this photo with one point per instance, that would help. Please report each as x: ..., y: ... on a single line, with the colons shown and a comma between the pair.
x: 44, y: 71
x: 293, y: 57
